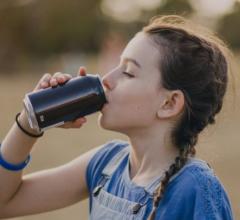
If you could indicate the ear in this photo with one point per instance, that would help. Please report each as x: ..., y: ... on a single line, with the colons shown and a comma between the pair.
x: 172, y: 105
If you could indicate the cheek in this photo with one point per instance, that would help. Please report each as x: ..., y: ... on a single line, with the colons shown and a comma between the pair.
x: 134, y: 107
x: 140, y: 101
x: 142, y: 109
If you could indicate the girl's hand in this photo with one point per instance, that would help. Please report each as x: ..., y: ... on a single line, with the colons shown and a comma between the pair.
x: 60, y: 78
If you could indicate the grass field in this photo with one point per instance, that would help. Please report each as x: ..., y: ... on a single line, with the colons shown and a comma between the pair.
x: 219, y: 144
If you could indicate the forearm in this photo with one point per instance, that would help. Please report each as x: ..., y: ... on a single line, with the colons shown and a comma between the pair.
x: 15, y: 148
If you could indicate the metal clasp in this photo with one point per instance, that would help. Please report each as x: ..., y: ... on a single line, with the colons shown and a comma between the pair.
x: 97, y: 190
x: 136, y: 208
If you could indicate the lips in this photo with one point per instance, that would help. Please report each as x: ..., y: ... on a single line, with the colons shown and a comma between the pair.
x: 104, y: 106
x: 107, y: 98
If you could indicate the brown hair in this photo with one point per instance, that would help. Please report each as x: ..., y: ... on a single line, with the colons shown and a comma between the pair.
x: 195, y: 61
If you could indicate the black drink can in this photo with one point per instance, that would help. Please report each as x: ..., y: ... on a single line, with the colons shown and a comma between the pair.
x: 54, y: 106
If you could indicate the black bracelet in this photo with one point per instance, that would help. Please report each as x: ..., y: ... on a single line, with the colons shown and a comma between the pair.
x: 26, y: 132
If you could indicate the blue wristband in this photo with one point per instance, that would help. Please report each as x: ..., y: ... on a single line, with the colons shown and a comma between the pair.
x: 13, y: 167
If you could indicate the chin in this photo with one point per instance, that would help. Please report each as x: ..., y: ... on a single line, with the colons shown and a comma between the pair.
x: 106, y: 124
x: 102, y: 122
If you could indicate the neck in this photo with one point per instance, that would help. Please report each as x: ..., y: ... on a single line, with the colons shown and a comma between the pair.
x: 151, y: 153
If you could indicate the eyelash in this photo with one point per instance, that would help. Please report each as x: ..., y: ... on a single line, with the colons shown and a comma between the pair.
x: 128, y: 74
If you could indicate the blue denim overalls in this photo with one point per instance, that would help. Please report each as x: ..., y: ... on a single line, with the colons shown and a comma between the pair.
x: 106, y: 206
x: 196, y: 194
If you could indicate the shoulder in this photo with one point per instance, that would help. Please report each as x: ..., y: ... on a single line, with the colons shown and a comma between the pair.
x: 210, y: 192
x: 197, y: 177
x: 101, y: 158
x: 199, y: 192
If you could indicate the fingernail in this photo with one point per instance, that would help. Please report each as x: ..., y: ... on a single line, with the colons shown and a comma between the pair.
x: 83, y: 120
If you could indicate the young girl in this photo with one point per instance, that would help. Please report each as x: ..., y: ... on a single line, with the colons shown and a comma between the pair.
x: 168, y: 87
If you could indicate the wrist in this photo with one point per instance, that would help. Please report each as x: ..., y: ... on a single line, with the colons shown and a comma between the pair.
x: 13, y: 166
x: 23, y: 121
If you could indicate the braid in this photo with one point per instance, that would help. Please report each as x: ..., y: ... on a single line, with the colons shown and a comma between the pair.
x: 180, y: 161
x: 196, y: 63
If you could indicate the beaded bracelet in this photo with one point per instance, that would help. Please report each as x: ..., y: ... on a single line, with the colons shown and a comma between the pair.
x: 13, y: 167
x: 25, y: 131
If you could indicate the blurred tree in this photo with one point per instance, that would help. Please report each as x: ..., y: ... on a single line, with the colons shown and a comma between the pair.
x: 181, y: 7
x: 60, y: 26
x: 42, y: 28
x: 228, y: 27
x: 175, y: 7
x: 13, y: 35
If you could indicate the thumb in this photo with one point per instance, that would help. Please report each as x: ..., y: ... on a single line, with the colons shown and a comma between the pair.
x: 82, y: 71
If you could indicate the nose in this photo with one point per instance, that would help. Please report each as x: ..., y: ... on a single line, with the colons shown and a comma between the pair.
x: 106, y: 81
x: 106, y: 84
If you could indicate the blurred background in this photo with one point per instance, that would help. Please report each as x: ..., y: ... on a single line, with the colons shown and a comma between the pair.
x: 58, y: 35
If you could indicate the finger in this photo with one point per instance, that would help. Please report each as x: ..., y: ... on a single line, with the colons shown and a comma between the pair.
x: 80, y: 120
x: 43, y: 82
x: 66, y: 77
x: 61, y: 77
x: 57, y: 78
x: 75, y: 124
x: 44, y: 85
x: 82, y: 71
x: 70, y: 125
x: 53, y: 82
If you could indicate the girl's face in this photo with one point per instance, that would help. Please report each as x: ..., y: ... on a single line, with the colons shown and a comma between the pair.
x: 133, y: 88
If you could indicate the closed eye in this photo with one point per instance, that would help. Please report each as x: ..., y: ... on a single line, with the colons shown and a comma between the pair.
x: 128, y: 74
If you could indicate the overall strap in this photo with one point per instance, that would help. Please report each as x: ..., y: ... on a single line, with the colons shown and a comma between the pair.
x: 115, y: 162
x: 110, y: 168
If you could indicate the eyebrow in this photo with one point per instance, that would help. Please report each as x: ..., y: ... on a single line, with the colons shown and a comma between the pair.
x: 128, y: 59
